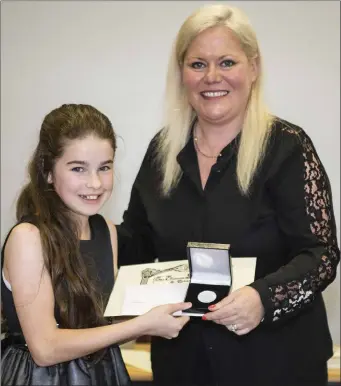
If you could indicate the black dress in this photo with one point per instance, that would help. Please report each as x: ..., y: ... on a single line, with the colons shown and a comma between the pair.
x: 18, y: 367
x: 287, y: 222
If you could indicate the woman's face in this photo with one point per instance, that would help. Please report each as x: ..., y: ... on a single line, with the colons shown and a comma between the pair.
x: 218, y: 76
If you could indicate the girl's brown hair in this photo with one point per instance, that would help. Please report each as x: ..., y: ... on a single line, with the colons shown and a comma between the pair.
x: 79, y: 304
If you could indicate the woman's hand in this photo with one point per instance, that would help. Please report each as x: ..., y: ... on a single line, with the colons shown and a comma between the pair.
x: 160, y: 322
x: 240, y: 312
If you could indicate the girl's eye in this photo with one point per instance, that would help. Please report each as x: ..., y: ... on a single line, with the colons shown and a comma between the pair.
x: 78, y: 169
x: 197, y: 65
x: 227, y: 63
x: 105, y: 168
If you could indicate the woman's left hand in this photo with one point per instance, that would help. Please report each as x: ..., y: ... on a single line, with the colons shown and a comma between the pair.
x: 240, y: 312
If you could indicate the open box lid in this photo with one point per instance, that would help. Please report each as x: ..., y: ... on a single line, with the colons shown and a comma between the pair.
x: 209, y: 263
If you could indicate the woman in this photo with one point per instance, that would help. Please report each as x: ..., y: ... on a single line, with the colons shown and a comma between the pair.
x: 58, y: 263
x: 225, y: 170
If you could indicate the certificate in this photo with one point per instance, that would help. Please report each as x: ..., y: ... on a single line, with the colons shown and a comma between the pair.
x: 138, y: 288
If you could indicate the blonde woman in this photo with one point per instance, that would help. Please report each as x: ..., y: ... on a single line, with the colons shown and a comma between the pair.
x: 223, y: 169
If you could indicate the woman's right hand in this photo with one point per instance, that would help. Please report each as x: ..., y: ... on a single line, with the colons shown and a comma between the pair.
x: 159, y: 321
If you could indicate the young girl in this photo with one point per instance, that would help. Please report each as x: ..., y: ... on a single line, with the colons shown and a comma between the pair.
x: 59, y: 260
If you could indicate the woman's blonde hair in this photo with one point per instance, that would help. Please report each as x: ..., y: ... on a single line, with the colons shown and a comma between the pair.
x: 179, y: 114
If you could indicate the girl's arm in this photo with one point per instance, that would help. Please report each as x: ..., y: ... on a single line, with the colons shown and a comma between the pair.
x: 34, y: 301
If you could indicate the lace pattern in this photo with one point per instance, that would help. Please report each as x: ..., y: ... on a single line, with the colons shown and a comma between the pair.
x: 289, y: 297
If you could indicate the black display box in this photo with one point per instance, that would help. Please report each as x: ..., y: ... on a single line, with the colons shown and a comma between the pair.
x: 210, y: 275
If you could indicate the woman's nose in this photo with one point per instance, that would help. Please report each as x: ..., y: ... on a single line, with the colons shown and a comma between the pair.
x: 213, y: 74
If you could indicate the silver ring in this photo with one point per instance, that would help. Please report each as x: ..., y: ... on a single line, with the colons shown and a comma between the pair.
x: 233, y: 327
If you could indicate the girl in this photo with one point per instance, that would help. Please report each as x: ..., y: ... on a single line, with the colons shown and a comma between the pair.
x: 58, y: 263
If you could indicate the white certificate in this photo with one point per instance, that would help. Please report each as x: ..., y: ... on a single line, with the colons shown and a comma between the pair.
x: 138, y: 288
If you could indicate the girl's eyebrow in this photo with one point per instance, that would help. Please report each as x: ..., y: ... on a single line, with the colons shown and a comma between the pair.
x: 109, y: 161
x: 77, y: 162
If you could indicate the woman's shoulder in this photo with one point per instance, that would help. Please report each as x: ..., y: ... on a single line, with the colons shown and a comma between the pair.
x: 152, y: 147
x: 150, y: 164
x: 288, y: 133
x: 287, y: 141
x: 286, y: 138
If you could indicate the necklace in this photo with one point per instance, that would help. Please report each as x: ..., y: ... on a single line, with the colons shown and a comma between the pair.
x: 198, y: 149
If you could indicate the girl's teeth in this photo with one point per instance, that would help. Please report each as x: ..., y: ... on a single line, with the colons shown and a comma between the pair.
x: 90, y: 197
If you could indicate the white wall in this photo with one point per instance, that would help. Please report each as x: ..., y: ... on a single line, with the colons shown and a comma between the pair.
x: 114, y: 54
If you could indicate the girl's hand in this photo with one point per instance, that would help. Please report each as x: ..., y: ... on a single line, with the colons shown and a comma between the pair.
x: 160, y: 322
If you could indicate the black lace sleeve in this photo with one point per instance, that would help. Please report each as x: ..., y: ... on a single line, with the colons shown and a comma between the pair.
x: 303, y: 201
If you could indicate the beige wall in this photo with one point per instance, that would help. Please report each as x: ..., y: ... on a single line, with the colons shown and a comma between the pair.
x: 113, y: 55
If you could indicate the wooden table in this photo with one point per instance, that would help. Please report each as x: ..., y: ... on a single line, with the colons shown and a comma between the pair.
x: 138, y: 374
x: 334, y: 375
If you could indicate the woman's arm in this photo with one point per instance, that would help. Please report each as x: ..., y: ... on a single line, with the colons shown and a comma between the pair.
x: 135, y: 244
x: 34, y: 301
x: 303, y: 201
x: 134, y: 234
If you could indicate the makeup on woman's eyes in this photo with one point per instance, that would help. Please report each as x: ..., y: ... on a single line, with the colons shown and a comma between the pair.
x: 198, y: 65
x: 228, y: 63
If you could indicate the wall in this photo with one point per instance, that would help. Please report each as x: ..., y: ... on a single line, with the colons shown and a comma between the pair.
x: 114, y: 55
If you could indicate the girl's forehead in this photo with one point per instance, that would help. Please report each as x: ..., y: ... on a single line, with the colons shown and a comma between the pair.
x: 87, y: 146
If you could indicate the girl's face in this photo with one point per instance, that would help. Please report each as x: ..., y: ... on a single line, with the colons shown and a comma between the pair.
x: 83, y: 175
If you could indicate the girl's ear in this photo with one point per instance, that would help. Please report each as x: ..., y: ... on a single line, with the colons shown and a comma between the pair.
x: 49, y: 178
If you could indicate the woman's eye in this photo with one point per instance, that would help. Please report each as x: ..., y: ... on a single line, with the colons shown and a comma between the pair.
x: 197, y: 65
x: 227, y: 63
x: 78, y: 169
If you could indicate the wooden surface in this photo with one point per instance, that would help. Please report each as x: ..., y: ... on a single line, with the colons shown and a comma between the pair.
x: 138, y: 374
x: 334, y: 375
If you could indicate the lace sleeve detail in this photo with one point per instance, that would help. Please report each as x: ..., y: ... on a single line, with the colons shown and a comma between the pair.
x: 291, y: 296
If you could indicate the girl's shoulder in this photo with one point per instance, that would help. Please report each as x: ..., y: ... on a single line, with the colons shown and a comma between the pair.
x: 22, y: 233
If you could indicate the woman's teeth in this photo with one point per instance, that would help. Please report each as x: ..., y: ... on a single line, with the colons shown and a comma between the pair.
x: 213, y: 94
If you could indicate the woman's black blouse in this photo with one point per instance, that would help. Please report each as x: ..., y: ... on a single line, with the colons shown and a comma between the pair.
x: 286, y: 221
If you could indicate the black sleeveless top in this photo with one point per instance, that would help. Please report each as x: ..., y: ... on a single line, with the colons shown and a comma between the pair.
x: 97, y: 254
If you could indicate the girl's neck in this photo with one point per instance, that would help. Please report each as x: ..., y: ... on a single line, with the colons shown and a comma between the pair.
x: 84, y: 227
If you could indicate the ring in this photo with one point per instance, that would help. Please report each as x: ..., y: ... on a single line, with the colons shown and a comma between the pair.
x: 233, y: 327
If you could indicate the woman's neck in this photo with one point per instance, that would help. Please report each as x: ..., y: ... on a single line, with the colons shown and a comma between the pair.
x: 213, y: 138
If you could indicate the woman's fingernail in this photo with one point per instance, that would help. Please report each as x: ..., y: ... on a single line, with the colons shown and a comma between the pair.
x: 204, y: 317
x: 211, y: 307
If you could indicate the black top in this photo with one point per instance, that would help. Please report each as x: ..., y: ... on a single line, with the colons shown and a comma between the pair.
x: 287, y: 222
x: 96, y: 252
